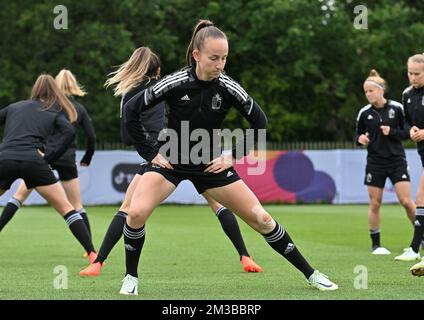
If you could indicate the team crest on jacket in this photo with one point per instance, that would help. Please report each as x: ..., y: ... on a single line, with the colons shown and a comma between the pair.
x: 391, y: 114
x: 216, y: 102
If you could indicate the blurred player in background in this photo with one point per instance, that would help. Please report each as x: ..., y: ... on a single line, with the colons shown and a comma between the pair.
x: 413, y: 102
x: 65, y: 165
x: 381, y: 127
x: 28, y: 124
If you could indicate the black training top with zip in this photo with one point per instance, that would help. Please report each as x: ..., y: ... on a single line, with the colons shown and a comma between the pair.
x: 204, y: 104
x: 84, y: 122
x: 383, y: 151
x: 27, y: 126
x: 413, y: 102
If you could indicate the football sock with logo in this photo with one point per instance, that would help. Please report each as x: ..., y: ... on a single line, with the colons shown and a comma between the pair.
x: 281, y: 242
x: 375, y: 238
x: 9, y: 211
x: 134, y: 240
x: 112, y: 236
x: 79, y: 230
x: 418, y: 229
x: 231, y: 228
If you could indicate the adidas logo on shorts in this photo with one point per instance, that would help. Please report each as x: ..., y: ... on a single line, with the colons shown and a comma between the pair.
x: 229, y: 174
x: 404, y: 176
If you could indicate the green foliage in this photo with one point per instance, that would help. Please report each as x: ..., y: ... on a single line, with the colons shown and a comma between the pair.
x: 302, y: 61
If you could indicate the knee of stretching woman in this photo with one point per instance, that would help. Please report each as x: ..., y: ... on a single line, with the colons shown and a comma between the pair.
x: 266, y: 222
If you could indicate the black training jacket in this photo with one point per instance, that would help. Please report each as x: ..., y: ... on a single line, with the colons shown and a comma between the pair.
x: 383, y: 151
x: 84, y: 122
x: 151, y: 122
x: 27, y: 126
x: 204, y: 104
x: 413, y: 102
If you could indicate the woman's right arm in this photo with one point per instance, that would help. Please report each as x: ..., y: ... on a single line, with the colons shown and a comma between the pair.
x: 149, y: 98
x: 131, y: 113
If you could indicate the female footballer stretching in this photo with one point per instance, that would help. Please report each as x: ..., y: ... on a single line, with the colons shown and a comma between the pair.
x: 139, y: 72
x: 199, y: 97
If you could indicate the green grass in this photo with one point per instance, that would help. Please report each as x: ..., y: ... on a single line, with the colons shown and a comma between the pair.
x: 187, y: 256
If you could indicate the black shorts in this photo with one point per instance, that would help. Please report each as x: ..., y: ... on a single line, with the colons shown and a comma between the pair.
x: 376, y: 177
x: 143, y: 168
x: 201, y: 180
x: 66, y: 173
x: 35, y: 174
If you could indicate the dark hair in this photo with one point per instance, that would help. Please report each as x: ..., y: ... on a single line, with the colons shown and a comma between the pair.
x: 202, y: 30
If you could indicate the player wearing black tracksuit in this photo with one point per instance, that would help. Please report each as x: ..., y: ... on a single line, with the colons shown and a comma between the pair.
x: 413, y: 102
x: 28, y: 124
x: 26, y: 130
x: 386, y: 155
x: 204, y: 104
x: 65, y: 165
x: 152, y: 121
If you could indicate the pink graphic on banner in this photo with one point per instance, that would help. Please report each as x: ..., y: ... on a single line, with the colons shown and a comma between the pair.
x: 289, y: 177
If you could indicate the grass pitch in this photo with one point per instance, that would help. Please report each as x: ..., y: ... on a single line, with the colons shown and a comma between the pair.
x: 187, y: 256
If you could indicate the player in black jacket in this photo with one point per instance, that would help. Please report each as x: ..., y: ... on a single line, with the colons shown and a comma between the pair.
x: 199, y: 97
x: 28, y: 124
x: 65, y: 165
x: 381, y: 127
x: 139, y: 72
x: 413, y: 101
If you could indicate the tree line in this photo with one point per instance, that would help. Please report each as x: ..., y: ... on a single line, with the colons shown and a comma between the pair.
x: 303, y: 61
